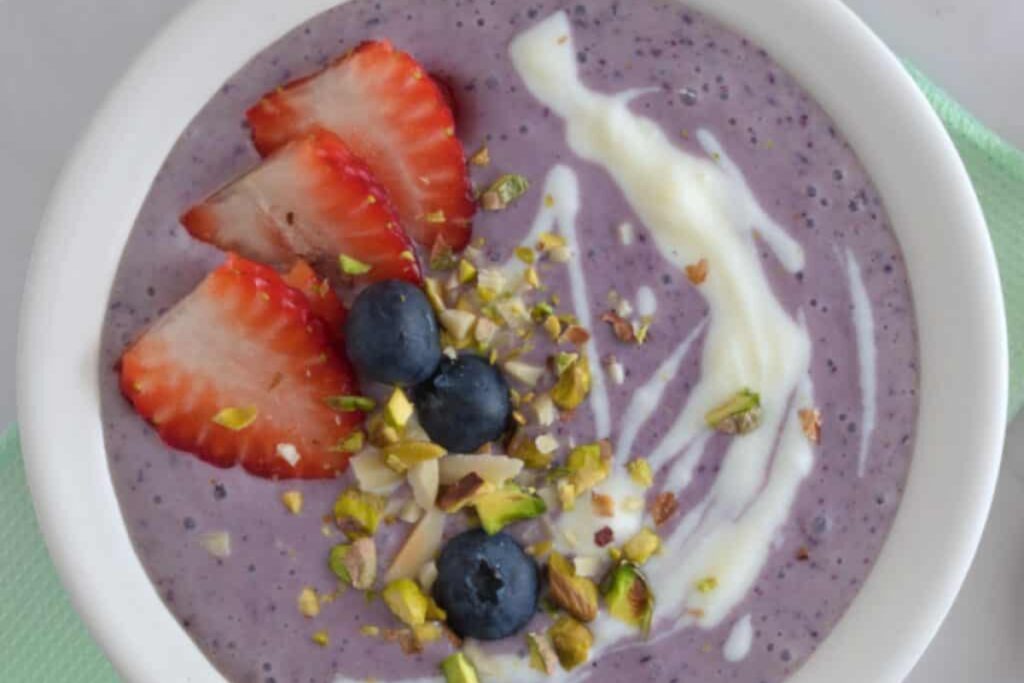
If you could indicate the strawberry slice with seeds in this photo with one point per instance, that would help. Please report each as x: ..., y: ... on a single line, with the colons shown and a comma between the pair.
x: 392, y: 114
x: 237, y: 373
x: 320, y: 295
x: 312, y: 199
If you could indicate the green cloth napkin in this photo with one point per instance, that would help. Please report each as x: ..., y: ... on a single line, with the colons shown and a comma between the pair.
x: 42, y: 639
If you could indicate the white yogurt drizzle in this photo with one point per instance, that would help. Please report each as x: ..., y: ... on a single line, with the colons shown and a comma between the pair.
x: 741, y: 637
x: 695, y: 208
x: 864, y: 329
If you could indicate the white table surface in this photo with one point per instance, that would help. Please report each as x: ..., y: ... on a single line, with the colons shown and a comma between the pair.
x: 61, y: 57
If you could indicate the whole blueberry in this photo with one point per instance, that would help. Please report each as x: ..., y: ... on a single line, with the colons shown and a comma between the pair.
x: 487, y: 585
x: 391, y: 334
x: 465, y: 404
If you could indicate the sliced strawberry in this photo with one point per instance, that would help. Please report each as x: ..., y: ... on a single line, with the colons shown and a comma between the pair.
x: 244, y: 340
x: 384, y: 106
x: 322, y: 299
x: 312, y: 199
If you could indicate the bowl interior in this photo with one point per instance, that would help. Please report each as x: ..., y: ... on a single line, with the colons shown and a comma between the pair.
x: 912, y: 162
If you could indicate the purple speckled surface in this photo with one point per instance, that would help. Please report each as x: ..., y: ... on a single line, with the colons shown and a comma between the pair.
x: 242, y: 611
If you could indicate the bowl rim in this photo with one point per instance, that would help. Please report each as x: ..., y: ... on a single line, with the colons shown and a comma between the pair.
x: 834, y: 56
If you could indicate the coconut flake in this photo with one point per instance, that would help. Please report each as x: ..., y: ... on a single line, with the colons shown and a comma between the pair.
x: 546, y: 444
x: 524, y: 372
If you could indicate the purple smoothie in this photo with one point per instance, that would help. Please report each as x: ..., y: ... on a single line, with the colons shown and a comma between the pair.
x: 242, y: 610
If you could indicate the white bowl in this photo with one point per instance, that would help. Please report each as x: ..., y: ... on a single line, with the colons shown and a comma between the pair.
x: 844, y: 66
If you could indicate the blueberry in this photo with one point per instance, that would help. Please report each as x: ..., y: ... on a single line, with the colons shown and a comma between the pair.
x: 487, y: 585
x: 464, y: 405
x: 391, y: 334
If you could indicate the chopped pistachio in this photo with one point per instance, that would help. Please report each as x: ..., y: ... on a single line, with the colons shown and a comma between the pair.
x: 548, y: 241
x: 398, y: 409
x: 571, y: 641
x: 540, y: 548
x: 321, y: 638
x: 503, y: 192
x: 370, y: 630
x: 526, y: 255
x: 467, y: 271
x: 541, y: 311
x: 572, y: 386
x: 640, y: 472
x: 353, y: 443
x: 350, y: 404
x: 564, y: 361
x: 641, y: 546
x: 351, y: 266
x: 575, y: 594
x: 491, y: 280
x: 292, y: 500
x: 524, y: 448
x: 553, y: 327
x: 589, y: 465
x: 404, y: 454
x: 506, y: 505
x: 442, y: 256
x: 355, y: 563
x: 432, y: 288
x: 308, y: 603
x: 531, y: 277
x: 542, y: 654
x: 739, y: 414
x: 455, y: 496
x: 458, y: 669
x: 642, y: 329
x: 358, y: 513
x: 707, y: 584
x: 236, y: 419
x: 406, y: 601
x: 628, y: 596
x: 482, y: 157
x: 427, y: 633
x: 567, y: 494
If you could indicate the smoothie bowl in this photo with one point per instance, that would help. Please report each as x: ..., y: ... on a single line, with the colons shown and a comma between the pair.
x: 490, y: 342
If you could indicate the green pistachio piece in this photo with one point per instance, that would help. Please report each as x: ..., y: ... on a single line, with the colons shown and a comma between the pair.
x: 236, y: 419
x: 641, y: 546
x: 506, y: 505
x: 524, y: 448
x: 589, y: 465
x: 572, y: 642
x: 738, y: 415
x: 351, y: 266
x: 628, y: 596
x: 350, y: 404
x: 404, y: 454
x: 467, y: 271
x: 504, y: 191
x: 406, y: 601
x: 442, y: 256
x: 542, y: 654
x: 355, y: 563
x: 358, y: 513
x: 577, y: 595
x: 458, y: 669
x: 640, y: 472
x: 573, y: 385
x: 398, y: 409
